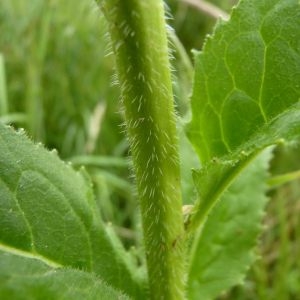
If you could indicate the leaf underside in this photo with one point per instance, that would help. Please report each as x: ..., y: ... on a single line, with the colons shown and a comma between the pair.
x: 47, y: 210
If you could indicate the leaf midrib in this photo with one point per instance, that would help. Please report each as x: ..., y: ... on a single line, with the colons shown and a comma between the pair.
x: 26, y: 254
x: 67, y: 202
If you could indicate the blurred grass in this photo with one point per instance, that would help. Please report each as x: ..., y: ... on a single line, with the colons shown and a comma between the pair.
x: 57, y: 72
x: 3, y: 92
x: 55, y: 81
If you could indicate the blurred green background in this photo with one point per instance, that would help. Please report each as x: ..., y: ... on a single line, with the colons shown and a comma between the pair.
x: 57, y: 81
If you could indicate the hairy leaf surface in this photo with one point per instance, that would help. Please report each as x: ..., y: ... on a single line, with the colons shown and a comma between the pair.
x: 48, y: 210
x: 223, y: 250
x: 27, y: 278
x: 246, y: 92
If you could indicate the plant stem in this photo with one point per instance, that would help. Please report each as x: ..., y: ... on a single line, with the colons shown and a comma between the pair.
x: 139, y: 40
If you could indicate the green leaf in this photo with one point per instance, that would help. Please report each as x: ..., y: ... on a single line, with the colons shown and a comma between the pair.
x: 223, y: 250
x: 246, y: 92
x: 47, y: 210
x: 27, y: 278
x: 247, y: 76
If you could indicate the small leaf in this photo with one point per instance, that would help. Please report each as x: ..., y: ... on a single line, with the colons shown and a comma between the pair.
x: 246, y: 93
x: 223, y: 250
x: 48, y: 210
x: 27, y: 278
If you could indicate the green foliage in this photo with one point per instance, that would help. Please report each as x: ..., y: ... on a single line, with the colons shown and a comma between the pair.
x: 26, y: 278
x: 48, y: 210
x: 223, y: 249
x: 247, y: 78
x: 54, y: 243
x: 246, y: 92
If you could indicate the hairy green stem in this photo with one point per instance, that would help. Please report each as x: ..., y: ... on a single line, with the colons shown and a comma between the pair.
x: 139, y: 40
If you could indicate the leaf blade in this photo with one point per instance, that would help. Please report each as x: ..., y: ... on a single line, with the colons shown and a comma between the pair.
x: 246, y: 93
x: 245, y: 98
x: 23, y: 277
x: 224, y: 249
x: 46, y: 208
x: 246, y: 76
